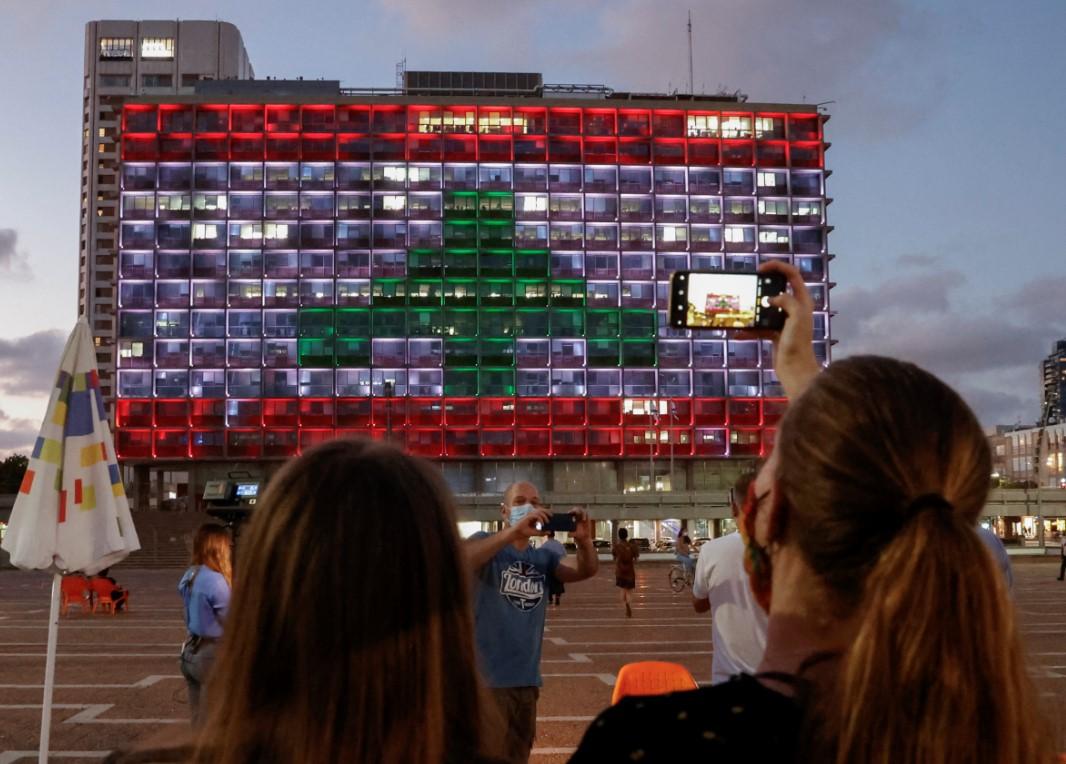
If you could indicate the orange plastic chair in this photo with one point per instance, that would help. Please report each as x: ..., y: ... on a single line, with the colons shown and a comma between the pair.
x: 74, y: 590
x: 651, y: 678
x: 102, y: 589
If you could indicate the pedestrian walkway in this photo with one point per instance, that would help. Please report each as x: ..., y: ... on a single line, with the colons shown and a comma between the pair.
x: 117, y: 677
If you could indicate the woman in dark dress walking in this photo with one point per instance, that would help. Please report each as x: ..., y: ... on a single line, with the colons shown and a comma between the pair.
x: 625, y: 553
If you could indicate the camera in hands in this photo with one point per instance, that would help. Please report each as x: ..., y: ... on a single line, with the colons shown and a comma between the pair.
x: 712, y: 300
x: 560, y: 522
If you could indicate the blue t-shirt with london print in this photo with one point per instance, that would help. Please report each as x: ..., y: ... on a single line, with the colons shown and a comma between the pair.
x: 509, y: 610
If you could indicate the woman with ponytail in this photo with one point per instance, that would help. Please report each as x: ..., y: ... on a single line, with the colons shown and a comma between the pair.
x: 891, y: 638
x: 340, y: 648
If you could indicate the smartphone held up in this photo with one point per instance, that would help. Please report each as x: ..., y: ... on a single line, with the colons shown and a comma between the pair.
x: 559, y: 522
x: 715, y: 300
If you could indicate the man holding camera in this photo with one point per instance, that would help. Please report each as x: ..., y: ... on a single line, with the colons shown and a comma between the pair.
x: 510, y: 603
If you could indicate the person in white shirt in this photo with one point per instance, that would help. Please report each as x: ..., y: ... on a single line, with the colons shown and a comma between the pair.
x: 738, y: 624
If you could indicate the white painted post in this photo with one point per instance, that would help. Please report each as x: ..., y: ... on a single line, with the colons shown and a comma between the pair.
x: 50, y: 670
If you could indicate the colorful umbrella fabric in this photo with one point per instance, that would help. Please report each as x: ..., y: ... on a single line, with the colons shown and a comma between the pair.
x: 71, y: 513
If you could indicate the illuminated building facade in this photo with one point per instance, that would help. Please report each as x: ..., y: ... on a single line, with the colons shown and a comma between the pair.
x: 125, y: 59
x: 476, y: 269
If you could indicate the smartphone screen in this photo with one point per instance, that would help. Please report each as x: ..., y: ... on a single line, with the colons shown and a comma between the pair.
x: 561, y: 521
x: 711, y: 300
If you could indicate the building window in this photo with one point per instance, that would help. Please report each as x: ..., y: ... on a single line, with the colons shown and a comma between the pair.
x: 157, y: 47
x: 156, y: 80
x: 497, y: 122
x: 768, y: 127
x: 736, y: 234
x: 802, y: 208
x: 395, y: 173
x: 116, y: 48
x: 428, y: 122
x: 736, y: 127
x: 209, y: 202
x: 393, y: 202
x: 204, y: 231
x: 770, y: 179
x: 773, y: 207
x: 532, y: 203
x: 702, y: 125
x: 273, y: 231
x: 172, y: 203
x: 458, y: 121
x: 132, y: 205
x: 114, y: 81
x: 773, y: 237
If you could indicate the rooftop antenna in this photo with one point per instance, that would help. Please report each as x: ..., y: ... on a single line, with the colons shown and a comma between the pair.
x: 691, y: 79
x: 401, y: 69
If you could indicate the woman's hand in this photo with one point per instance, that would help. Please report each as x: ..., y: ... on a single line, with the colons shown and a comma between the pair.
x: 794, y: 359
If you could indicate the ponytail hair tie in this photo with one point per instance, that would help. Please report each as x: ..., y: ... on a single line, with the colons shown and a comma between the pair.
x: 930, y: 501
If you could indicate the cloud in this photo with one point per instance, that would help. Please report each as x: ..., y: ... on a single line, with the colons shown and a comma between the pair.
x: 500, y: 31
x: 13, y: 263
x: 16, y: 434
x: 773, y: 50
x: 1037, y: 301
x: 923, y: 292
x: 28, y: 364
x: 999, y: 407
x: 429, y: 17
x: 990, y: 352
x: 917, y: 260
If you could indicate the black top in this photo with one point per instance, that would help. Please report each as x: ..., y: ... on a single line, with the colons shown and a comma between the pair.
x: 738, y: 721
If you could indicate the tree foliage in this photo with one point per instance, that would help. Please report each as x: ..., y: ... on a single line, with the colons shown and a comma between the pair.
x: 11, y: 471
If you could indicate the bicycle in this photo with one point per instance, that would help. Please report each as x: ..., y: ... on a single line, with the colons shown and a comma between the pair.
x: 681, y: 576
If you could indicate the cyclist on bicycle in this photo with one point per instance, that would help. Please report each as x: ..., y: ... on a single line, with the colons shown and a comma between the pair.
x: 683, y: 552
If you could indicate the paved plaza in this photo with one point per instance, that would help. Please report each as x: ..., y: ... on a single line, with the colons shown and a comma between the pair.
x: 117, y: 678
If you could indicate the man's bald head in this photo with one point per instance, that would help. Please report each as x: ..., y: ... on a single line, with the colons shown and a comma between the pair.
x: 521, y: 492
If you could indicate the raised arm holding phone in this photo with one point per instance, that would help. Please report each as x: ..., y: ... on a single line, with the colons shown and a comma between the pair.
x: 861, y: 546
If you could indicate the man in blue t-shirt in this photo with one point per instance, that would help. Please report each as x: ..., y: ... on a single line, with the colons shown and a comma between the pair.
x: 510, y: 603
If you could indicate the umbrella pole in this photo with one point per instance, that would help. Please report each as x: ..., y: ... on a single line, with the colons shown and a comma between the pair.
x: 50, y: 670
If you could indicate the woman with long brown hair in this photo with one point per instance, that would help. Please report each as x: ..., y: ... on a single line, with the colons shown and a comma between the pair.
x: 351, y: 635
x: 891, y: 635
x: 205, y: 589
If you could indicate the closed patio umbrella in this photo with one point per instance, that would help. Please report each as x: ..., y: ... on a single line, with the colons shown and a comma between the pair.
x: 71, y: 512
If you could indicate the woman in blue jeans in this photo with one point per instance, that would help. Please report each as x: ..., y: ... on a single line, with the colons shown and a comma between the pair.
x: 205, y: 588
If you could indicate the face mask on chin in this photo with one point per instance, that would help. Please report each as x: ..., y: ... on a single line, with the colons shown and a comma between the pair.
x: 518, y: 512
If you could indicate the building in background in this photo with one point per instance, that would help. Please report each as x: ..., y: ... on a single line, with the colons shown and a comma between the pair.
x: 1026, y: 505
x: 124, y: 59
x: 1054, y: 375
x: 1014, y: 451
x: 474, y: 266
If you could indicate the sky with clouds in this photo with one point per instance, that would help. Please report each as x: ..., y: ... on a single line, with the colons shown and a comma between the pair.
x: 946, y: 128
